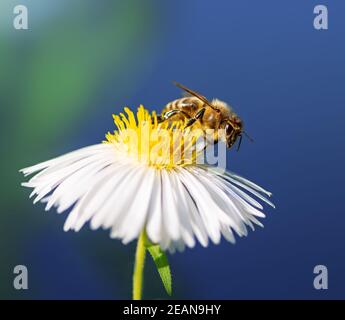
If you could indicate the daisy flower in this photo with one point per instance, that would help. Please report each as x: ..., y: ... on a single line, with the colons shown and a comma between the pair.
x: 145, y: 181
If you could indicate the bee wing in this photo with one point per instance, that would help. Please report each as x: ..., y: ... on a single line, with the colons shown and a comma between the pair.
x: 195, y: 94
x: 185, y: 94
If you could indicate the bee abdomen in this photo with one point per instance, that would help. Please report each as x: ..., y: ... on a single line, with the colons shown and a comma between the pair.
x: 187, y: 104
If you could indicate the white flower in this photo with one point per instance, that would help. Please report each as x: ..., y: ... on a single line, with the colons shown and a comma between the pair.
x: 124, y: 186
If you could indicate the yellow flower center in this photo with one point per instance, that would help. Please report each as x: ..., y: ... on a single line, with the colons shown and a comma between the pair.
x: 167, y: 144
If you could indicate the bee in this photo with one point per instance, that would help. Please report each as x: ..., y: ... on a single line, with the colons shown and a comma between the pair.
x: 202, y: 113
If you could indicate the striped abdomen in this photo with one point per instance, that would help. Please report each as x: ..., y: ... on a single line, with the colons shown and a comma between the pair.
x: 189, y: 105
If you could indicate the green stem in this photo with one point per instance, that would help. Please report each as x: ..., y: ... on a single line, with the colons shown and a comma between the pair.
x: 139, y: 267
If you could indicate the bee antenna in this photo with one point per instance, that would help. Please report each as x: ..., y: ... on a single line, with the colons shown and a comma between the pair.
x: 239, y: 143
x: 248, y: 136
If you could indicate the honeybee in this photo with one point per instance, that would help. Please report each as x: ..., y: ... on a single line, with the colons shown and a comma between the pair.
x: 204, y: 114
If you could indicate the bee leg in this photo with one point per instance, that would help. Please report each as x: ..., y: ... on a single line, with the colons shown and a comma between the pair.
x: 159, y: 118
x: 167, y: 115
x: 197, y: 116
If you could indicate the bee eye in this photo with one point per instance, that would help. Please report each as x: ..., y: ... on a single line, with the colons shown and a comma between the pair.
x: 228, y: 129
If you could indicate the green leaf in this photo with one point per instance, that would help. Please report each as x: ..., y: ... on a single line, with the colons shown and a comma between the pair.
x: 161, y: 261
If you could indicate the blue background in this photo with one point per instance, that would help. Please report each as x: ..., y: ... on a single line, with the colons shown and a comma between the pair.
x: 81, y: 61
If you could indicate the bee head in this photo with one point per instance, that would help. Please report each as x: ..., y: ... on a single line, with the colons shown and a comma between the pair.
x: 233, y: 130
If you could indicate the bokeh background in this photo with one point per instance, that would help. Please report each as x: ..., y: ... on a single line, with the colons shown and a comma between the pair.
x: 82, y: 60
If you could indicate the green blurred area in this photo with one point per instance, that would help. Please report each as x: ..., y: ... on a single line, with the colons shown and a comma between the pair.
x: 50, y: 74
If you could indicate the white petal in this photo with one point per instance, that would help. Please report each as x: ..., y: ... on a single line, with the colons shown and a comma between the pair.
x: 98, y: 192
x: 226, y: 204
x: 169, y: 208
x: 66, y: 158
x: 154, y: 220
x: 182, y: 210
x: 74, y: 186
x: 173, y: 205
x: 208, y: 210
x: 117, y: 198
x: 135, y: 218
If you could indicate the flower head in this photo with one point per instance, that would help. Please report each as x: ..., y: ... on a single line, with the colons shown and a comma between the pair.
x: 146, y: 176
x: 162, y: 145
